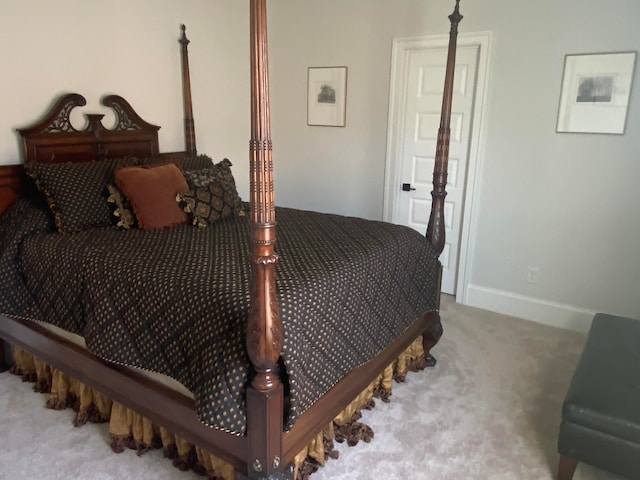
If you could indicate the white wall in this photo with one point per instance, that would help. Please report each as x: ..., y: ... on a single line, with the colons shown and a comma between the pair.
x: 330, y: 168
x: 130, y: 48
x: 565, y: 203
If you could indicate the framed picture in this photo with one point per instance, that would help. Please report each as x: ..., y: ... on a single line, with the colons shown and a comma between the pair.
x: 327, y: 96
x: 595, y: 92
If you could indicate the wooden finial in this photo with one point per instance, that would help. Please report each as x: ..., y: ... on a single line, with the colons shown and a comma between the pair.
x: 455, y: 17
x: 183, y: 39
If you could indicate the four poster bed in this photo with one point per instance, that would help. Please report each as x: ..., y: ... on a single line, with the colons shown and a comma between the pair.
x: 265, y: 395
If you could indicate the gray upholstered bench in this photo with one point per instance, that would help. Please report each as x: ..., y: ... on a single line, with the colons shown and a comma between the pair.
x: 601, y: 413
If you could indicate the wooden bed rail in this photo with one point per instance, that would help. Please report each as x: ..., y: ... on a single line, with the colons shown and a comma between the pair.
x: 436, y: 227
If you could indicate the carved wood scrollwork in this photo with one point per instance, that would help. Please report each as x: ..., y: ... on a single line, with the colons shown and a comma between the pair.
x: 264, y: 330
x: 62, y: 122
x: 57, y: 120
x: 124, y: 122
x: 267, y: 260
x: 127, y: 118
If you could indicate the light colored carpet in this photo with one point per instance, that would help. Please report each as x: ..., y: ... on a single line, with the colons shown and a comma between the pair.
x: 490, y: 409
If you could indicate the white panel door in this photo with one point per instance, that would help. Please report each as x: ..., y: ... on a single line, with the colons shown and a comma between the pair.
x: 417, y: 142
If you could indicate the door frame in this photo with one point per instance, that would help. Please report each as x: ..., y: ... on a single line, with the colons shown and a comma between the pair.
x: 401, y: 49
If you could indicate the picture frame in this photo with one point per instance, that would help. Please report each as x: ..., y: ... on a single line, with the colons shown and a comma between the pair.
x: 595, y: 92
x: 327, y: 96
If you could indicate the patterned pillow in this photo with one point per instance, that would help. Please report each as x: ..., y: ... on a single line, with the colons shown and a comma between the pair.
x: 75, y: 191
x: 187, y: 162
x: 198, y: 162
x: 121, y: 210
x: 220, y: 172
x: 206, y: 205
x: 151, y: 190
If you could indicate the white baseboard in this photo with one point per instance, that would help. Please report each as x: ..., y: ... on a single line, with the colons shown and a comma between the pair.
x: 529, y: 308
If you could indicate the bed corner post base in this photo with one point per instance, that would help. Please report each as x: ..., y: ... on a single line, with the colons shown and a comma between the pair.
x: 4, y: 366
x: 264, y: 430
x: 431, y: 336
x: 285, y: 475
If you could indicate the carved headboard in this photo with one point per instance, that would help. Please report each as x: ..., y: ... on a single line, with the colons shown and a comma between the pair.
x: 54, y: 139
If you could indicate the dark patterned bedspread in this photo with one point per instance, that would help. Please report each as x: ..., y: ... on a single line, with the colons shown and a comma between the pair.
x: 175, y: 301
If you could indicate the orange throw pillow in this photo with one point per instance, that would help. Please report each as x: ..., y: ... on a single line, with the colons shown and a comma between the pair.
x: 152, y: 193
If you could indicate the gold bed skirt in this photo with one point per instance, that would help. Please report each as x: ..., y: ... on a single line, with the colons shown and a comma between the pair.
x: 128, y: 429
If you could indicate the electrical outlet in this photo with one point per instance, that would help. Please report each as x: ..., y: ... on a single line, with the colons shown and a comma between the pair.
x: 532, y: 274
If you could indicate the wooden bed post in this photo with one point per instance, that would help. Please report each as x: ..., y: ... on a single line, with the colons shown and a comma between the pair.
x: 436, y: 227
x: 265, y: 398
x: 189, y: 126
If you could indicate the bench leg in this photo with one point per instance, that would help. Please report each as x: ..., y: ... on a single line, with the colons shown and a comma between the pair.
x: 566, y: 468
